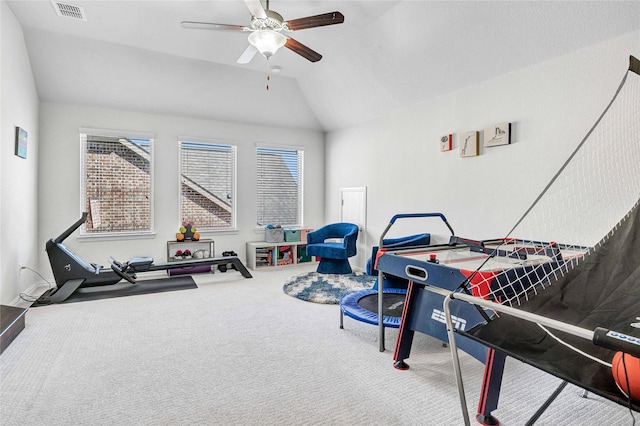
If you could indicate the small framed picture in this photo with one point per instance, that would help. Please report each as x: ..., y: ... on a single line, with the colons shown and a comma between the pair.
x: 469, y: 144
x: 446, y: 143
x: 21, y: 142
x: 499, y: 134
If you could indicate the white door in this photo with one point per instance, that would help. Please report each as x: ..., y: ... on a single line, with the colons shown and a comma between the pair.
x: 353, y: 209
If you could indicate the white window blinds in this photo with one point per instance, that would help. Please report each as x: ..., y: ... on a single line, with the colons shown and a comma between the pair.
x: 207, y: 176
x: 279, y: 186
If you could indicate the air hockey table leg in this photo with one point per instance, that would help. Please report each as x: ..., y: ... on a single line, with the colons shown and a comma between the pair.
x: 405, y: 334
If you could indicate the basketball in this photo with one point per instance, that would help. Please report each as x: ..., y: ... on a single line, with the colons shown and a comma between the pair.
x: 632, y: 376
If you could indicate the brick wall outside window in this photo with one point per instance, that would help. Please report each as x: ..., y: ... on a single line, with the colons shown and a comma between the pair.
x: 203, y: 212
x: 117, y: 185
x: 207, y: 175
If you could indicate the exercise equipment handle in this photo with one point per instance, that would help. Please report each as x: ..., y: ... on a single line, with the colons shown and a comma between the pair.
x: 72, y: 228
x: 121, y: 270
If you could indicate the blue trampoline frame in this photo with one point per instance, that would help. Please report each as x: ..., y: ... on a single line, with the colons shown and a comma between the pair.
x: 349, y: 306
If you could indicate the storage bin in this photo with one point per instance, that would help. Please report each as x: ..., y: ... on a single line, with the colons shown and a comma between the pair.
x: 302, y: 254
x: 304, y: 232
x: 291, y: 235
x: 274, y: 235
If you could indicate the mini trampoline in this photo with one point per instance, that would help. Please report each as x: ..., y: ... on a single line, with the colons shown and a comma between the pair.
x: 389, y: 298
x: 363, y: 306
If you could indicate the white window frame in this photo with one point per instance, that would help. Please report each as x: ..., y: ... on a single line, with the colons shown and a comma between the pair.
x: 234, y: 180
x: 150, y: 232
x: 301, y: 162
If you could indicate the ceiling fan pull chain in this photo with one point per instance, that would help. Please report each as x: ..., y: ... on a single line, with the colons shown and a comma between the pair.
x: 268, y: 76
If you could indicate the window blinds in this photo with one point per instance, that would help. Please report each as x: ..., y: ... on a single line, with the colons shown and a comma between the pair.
x: 279, y: 186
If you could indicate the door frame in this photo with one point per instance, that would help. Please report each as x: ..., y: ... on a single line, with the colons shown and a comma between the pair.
x: 362, y: 237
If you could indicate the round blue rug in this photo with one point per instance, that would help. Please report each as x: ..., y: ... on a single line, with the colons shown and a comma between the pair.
x: 327, y: 288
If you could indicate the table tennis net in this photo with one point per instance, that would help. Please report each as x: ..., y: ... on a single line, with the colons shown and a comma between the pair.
x: 582, y: 206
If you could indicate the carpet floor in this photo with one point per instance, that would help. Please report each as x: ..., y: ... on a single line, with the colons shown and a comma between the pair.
x: 239, y: 351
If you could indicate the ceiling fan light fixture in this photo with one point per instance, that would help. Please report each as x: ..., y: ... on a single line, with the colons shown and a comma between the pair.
x: 267, y: 41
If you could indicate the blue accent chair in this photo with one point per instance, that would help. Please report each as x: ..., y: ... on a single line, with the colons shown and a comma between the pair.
x: 334, y: 256
x: 396, y: 243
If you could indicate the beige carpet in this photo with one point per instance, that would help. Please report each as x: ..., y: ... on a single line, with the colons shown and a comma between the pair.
x: 239, y: 351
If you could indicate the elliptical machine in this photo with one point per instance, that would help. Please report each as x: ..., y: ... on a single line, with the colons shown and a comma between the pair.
x: 71, y: 272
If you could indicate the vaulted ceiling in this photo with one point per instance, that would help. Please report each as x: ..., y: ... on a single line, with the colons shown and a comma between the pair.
x: 387, y: 55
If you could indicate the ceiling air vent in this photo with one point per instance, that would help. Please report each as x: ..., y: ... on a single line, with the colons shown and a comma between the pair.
x: 68, y: 10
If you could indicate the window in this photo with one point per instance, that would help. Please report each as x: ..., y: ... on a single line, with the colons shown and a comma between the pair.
x: 279, y: 181
x: 207, y: 184
x: 116, y: 182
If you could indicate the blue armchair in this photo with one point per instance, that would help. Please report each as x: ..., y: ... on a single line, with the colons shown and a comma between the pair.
x: 395, y: 243
x: 334, y: 256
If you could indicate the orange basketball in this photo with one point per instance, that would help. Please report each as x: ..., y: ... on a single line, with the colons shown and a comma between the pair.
x: 627, y: 373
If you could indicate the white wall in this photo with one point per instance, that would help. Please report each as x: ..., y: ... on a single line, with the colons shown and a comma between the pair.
x: 19, y: 242
x: 552, y: 105
x: 59, y: 181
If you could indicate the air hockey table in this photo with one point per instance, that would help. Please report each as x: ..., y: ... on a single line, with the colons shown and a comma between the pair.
x: 496, y: 270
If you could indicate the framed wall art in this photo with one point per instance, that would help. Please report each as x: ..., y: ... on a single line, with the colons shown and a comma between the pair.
x: 499, y: 134
x: 469, y: 144
x: 446, y: 143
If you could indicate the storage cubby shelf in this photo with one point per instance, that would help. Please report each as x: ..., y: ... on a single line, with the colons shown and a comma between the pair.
x: 261, y: 254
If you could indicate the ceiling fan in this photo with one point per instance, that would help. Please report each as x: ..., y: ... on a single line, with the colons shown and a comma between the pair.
x: 266, y: 31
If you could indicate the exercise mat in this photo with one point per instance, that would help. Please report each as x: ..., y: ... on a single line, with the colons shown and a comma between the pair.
x: 127, y: 289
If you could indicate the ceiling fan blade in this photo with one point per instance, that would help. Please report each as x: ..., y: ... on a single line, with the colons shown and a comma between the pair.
x: 247, y: 55
x: 212, y: 26
x: 256, y: 9
x: 302, y: 50
x: 330, y: 18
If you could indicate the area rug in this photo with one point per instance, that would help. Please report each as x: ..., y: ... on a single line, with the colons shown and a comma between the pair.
x: 326, y: 288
